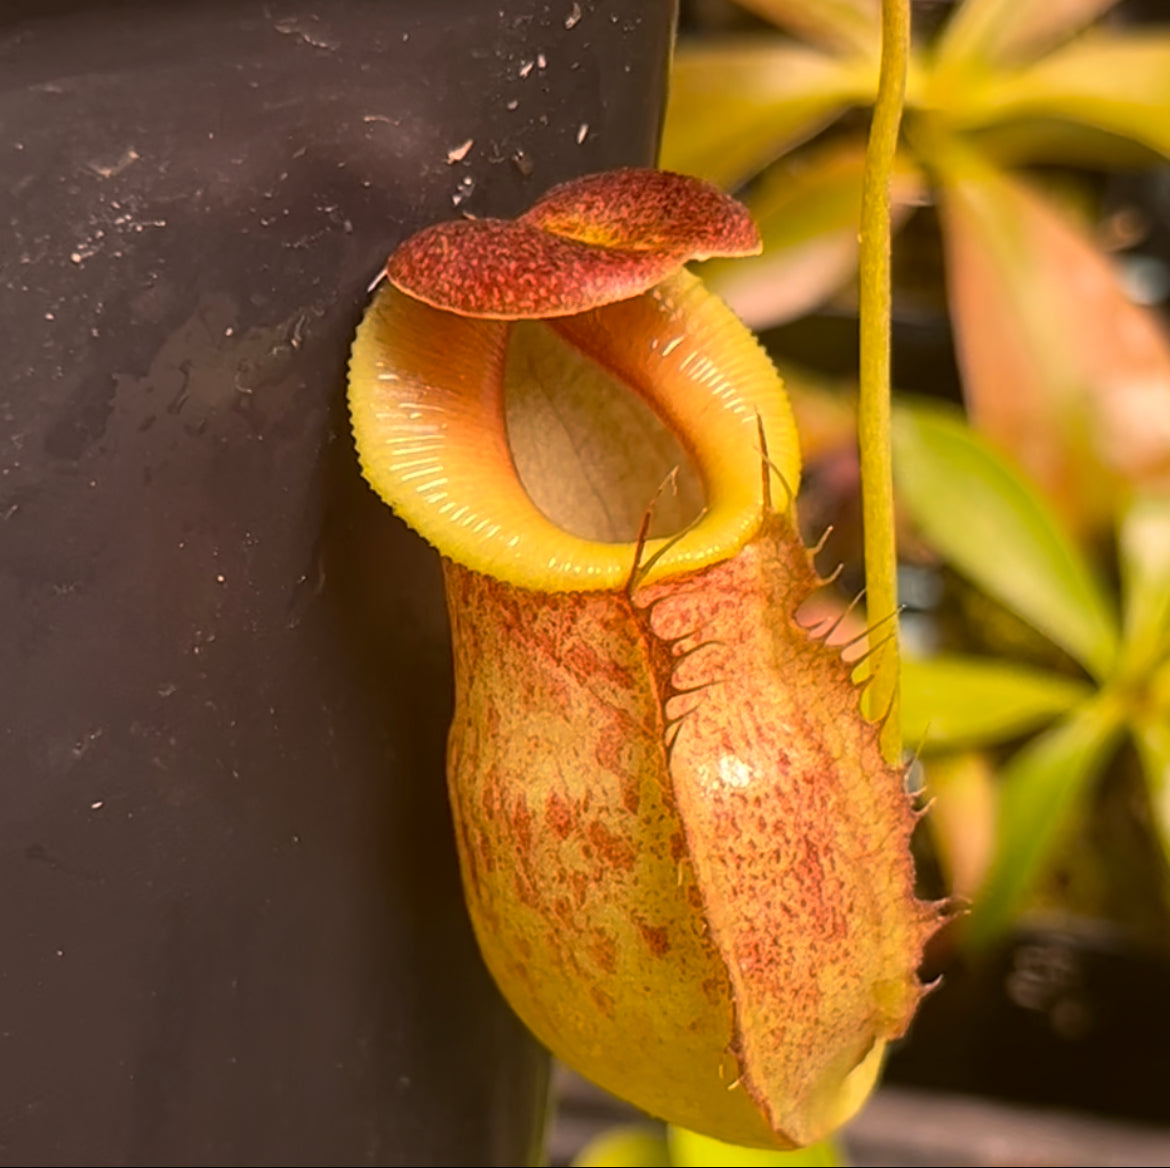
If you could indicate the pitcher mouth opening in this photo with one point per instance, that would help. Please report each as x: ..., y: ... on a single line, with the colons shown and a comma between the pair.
x: 592, y: 456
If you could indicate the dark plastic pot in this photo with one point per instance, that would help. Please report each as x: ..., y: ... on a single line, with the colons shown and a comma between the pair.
x: 233, y: 930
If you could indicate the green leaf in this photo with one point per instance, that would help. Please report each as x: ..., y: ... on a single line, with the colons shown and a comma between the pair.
x: 984, y: 518
x: 633, y: 1145
x: 852, y: 25
x: 971, y: 701
x: 1042, y: 786
x: 989, y: 32
x: 807, y: 208
x: 735, y: 107
x: 1145, y: 573
x: 1112, y: 81
x: 690, y: 1150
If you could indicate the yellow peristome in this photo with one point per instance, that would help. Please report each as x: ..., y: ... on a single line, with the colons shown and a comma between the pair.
x: 427, y: 393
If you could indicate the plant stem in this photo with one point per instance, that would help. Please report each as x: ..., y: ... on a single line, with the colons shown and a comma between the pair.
x: 877, y: 489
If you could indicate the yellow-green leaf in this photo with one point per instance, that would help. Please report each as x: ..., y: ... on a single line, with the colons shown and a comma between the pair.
x: 1060, y: 367
x: 735, y: 107
x: 688, y: 1149
x: 1145, y: 567
x: 634, y: 1145
x: 851, y: 25
x: 1042, y: 785
x: 984, y: 33
x: 971, y: 701
x: 808, y: 208
x: 991, y: 524
x: 1112, y: 81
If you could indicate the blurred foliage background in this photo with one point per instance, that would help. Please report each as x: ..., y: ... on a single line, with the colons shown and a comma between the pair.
x: 1037, y: 517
